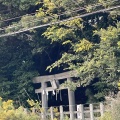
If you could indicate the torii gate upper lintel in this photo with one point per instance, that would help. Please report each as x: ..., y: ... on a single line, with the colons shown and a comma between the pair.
x: 59, y: 76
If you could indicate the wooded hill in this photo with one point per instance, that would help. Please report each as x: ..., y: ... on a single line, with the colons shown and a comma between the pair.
x: 87, y: 41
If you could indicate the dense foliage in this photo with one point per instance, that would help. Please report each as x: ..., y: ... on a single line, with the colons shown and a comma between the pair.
x: 9, y: 112
x: 90, y: 45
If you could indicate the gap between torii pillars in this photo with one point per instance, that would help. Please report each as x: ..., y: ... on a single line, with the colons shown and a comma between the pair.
x: 71, y: 98
x: 44, y: 99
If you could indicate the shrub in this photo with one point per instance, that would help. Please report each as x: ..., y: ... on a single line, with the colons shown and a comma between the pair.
x: 114, y: 113
x: 8, y: 112
x: 106, y: 116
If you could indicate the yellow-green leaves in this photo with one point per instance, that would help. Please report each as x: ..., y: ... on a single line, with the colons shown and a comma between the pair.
x: 115, y: 13
x: 65, y: 59
x: 110, y: 34
x: 58, y: 33
x: 49, y: 5
x: 27, y: 21
x: 118, y: 43
x: 63, y: 33
x: 83, y: 45
x: 74, y: 23
x: 40, y: 13
x: 91, y: 8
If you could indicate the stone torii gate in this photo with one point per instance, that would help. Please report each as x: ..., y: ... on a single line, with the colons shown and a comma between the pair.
x: 55, y: 83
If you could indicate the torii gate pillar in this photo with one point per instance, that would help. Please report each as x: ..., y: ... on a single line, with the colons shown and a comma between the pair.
x: 71, y: 98
x: 44, y: 98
